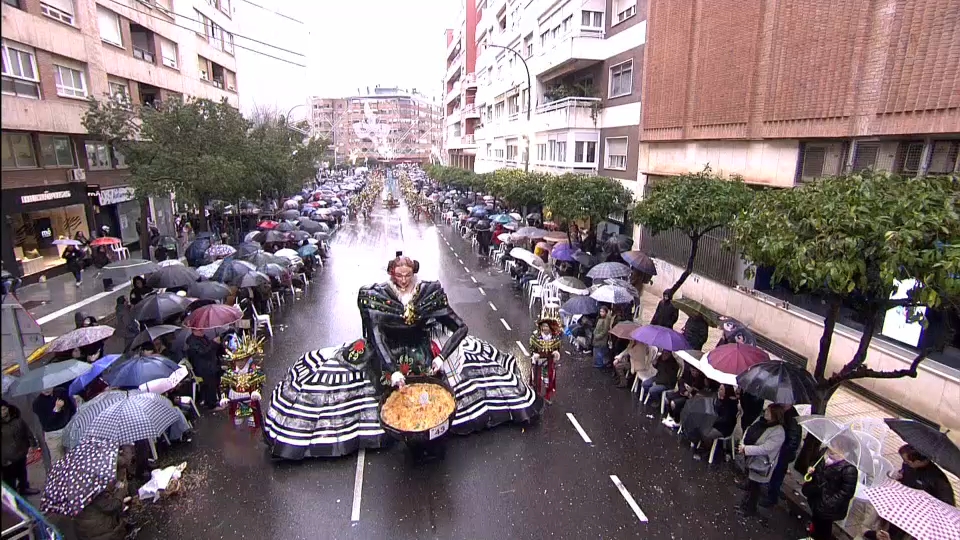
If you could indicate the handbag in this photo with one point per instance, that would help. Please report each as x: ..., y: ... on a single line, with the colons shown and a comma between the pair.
x: 759, y: 465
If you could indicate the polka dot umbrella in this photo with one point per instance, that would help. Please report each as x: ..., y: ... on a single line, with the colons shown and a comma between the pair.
x: 78, y: 478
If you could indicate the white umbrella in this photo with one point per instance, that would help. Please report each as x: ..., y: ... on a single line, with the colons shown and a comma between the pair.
x: 169, y: 262
x: 527, y: 257
x: 571, y: 285
x: 516, y: 216
x: 287, y: 254
x: 504, y: 237
x: 612, y: 295
x: 208, y: 270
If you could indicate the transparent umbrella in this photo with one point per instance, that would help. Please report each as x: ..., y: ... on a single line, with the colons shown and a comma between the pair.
x: 854, y: 446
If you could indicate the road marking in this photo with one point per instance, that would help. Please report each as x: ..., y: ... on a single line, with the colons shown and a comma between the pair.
x: 629, y: 498
x: 493, y: 307
x: 358, y: 485
x: 71, y: 308
x: 473, y: 279
x: 465, y: 269
x: 522, y: 348
x: 505, y: 325
x: 459, y: 260
x: 483, y: 292
x: 579, y: 428
x: 451, y: 248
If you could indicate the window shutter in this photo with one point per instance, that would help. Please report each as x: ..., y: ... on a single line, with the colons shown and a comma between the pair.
x: 65, y: 6
x: 109, y: 25
x: 617, y: 147
x: 168, y: 51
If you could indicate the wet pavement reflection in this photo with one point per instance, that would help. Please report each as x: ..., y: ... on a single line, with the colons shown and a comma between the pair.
x: 540, y: 481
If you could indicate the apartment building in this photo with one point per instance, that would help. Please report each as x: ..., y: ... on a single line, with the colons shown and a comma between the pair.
x: 584, y: 62
x: 783, y: 93
x: 461, y: 115
x: 57, y: 181
x: 387, y: 124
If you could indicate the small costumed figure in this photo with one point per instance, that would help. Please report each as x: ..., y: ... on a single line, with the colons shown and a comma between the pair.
x: 545, y: 350
x: 242, y: 381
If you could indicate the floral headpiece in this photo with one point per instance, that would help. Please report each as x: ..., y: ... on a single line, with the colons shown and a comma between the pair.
x: 356, y: 353
x: 247, y: 347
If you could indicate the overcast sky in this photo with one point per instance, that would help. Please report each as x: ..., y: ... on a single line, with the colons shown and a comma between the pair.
x: 347, y: 45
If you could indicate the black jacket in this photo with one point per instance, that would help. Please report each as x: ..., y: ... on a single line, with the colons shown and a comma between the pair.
x: 666, y: 314
x: 930, y: 479
x: 830, y: 491
x: 204, y: 355
x: 667, y: 372
x: 726, y: 416
x: 793, y: 432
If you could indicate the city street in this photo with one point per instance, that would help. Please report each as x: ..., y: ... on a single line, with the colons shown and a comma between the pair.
x: 595, y: 466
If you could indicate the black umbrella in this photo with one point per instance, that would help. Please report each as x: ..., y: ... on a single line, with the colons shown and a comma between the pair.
x: 290, y: 214
x: 196, y: 252
x: 272, y: 270
x: 779, y: 382
x: 246, y: 250
x: 585, y: 259
x: 621, y: 242
x: 581, y: 305
x: 132, y: 371
x: 151, y: 334
x: 275, y: 236
x: 928, y: 441
x: 300, y: 236
x: 483, y: 225
x: 639, y: 261
x: 231, y: 271
x: 208, y: 290
x: 169, y: 277
x: 699, y: 415
x: 311, y: 226
x: 253, y: 279
x: 284, y: 227
x: 159, y: 307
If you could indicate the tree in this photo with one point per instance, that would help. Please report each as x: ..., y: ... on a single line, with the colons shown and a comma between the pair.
x: 694, y: 204
x: 572, y: 197
x: 852, y: 240
x: 281, y: 155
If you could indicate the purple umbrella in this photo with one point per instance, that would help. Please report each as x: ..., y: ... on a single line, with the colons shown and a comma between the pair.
x: 735, y: 358
x: 563, y: 252
x: 660, y: 337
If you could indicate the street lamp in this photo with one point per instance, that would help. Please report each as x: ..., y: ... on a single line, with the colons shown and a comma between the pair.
x: 526, y: 161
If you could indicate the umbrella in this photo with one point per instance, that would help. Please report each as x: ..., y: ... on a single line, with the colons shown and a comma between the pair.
x: 128, y: 268
x: 231, y: 271
x: 162, y: 386
x: 692, y: 308
x: 616, y: 282
x: 531, y: 232
x: 735, y: 358
x: 699, y: 415
x: 267, y: 224
x: 736, y: 331
x: 300, y: 236
x: 623, y: 329
x: 501, y: 218
x: 131, y: 372
x: 213, y: 316
x: 208, y: 290
x: 151, y: 334
x: 286, y: 253
x: 307, y: 251
x: 556, y: 236
x: 612, y: 295
x: 253, y: 236
x: 483, y: 225
x: 311, y: 227
x: 571, y: 285
x: 852, y: 445
x: 247, y: 250
x: 533, y: 215
x: 169, y: 262
x: 97, y: 368
x: 80, y: 337
x: 48, y: 376
x: 779, y: 382
x: 67, y: 242
x: 526, y: 256
x: 580, y: 305
x: 661, y: 337
x: 511, y: 226
x: 640, y: 262
x: 106, y: 241
x: 504, y: 237
x: 563, y: 252
x: 123, y: 417
x: 290, y: 214
x: 609, y: 270
x: 166, y: 242
x: 84, y: 473
x: 284, y: 227
x: 290, y: 205
x: 159, y: 307
x: 928, y: 441
x: 585, y: 259
x: 272, y: 270
x: 173, y: 276
x: 275, y: 236
x: 208, y: 270
x: 622, y: 242
x: 915, y: 512
x: 219, y: 251
x: 196, y: 252
x: 696, y: 359
x: 253, y: 279
x: 515, y: 216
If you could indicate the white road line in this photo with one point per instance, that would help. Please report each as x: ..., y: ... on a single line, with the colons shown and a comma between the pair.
x: 483, y: 292
x: 522, y: 348
x: 459, y: 260
x: 473, y: 279
x: 505, y: 325
x: 465, y: 269
x: 579, y: 428
x: 451, y: 248
x: 73, y: 307
x: 493, y: 307
x: 629, y: 498
x: 358, y: 485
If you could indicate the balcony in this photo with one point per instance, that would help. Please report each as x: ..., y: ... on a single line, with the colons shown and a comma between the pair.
x: 470, y: 80
x: 471, y: 111
x: 573, y: 52
x: 143, y: 39
x: 453, y: 93
x: 568, y: 113
x: 455, y: 67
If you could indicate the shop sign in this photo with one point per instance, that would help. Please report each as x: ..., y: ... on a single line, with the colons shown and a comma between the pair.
x: 93, y: 191
x: 45, y: 196
x: 116, y: 195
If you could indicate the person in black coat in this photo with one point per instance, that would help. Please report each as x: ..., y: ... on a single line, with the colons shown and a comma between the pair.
x: 666, y: 314
x: 74, y: 258
x: 918, y: 472
x: 830, y: 491
x: 204, y: 355
x: 788, y: 452
x: 695, y: 331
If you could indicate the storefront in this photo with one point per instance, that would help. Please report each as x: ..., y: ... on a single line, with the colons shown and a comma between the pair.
x: 117, y: 209
x: 33, y: 218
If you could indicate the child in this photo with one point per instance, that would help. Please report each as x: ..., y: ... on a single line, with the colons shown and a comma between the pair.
x: 545, y: 350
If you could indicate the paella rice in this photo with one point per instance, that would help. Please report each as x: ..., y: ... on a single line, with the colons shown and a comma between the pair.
x: 417, y: 407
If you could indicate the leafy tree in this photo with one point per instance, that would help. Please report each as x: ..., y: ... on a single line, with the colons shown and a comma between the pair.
x: 281, y: 155
x: 694, y: 204
x: 572, y: 197
x: 851, y: 240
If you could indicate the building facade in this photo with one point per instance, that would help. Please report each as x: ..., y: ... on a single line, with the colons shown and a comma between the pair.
x: 58, y: 181
x: 387, y: 125
x: 584, y: 63
x: 461, y: 115
x: 782, y: 93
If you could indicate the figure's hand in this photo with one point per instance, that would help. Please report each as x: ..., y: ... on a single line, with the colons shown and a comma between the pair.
x: 556, y: 355
x: 58, y: 405
x: 535, y: 358
x: 810, y: 470
x: 883, y: 535
x: 255, y: 396
x: 397, y: 379
x: 437, y: 365
x: 224, y: 402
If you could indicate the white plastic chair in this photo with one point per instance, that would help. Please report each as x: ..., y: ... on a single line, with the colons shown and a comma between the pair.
x: 260, y: 320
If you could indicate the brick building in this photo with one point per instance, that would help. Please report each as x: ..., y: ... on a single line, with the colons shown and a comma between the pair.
x: 784, y: 92
x: 57, y: 181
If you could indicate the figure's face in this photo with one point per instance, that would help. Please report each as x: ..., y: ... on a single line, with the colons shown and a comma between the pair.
x: 4, y: 412
x: 545, y: 328
x: 402, y: 277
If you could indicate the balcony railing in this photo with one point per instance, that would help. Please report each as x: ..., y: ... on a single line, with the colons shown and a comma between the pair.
x: 468, y: 139
x: 470, y: 79
x: 569, y: 113
x: 584, y: 102
x: 142, y: 54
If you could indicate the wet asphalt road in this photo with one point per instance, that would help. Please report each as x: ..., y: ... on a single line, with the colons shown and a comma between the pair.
x: 535, y: 482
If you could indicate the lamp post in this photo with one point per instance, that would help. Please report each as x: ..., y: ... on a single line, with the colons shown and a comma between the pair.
x: 526, y: 161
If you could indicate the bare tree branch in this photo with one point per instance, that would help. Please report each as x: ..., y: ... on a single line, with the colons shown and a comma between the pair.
x: 863, y: 372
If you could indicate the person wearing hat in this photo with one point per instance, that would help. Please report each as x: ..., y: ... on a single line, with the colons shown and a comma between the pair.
x: 545, y: 350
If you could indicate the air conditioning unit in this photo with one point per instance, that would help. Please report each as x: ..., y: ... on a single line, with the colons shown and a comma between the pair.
x: 170, y: 62
x: 77, y: 175
x: 204, y: 76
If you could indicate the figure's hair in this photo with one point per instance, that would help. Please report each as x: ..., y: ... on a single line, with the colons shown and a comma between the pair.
x: 402, y: 260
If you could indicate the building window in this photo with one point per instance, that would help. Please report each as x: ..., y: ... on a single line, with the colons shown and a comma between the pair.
x: 118, y: 89
x: 814, y: 158
x: 585, y: 152
x: 18, y: 151
x: 591, y: 19
x: 541, y: 152
x: 621, y: 79
x: 168, y: 53
x: 60, y: 10
x: 616, y: 150
x: 20, y: 71
x: 624, y: 9
x: 865, y: 156
x: 109, y: 24
x: 70, y: 82
x: 565, y: 25
x: 528, y: 46
x: 14, y: 3
x: 98, y: 155
x: 56, y: 151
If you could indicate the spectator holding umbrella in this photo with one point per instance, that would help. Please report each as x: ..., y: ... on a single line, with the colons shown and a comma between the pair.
x: 204, y: 355
x: 74, y: 258
x: 54, y: 408
x: 696, y: 330
x: 601, y: 338
x: 833, y: 481
x: 139, y: 290
x: 760, y: 448
x: 16, y: 444
x: 918, y: 472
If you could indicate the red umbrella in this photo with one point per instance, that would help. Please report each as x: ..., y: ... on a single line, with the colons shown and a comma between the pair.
x: 213, y: 316
x: 735, y: 358
x: 105, y: 241
x: 268, y: 224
